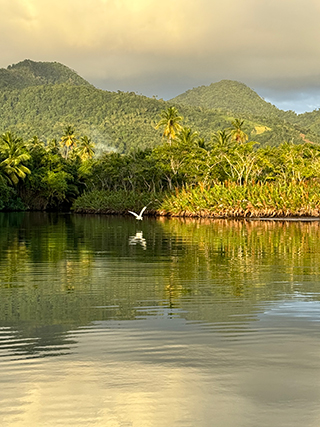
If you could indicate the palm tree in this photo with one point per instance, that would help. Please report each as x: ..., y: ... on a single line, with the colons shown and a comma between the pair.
x: 202, y: 143
x: 34, y: 143
x: 170, y: 120
x: 85, y: 148
x: 187, y: 136
x: 221, y: 138
x: 14, y: 152
x: 68, y: 141
x: 53, y: 146
x: 237, y: 134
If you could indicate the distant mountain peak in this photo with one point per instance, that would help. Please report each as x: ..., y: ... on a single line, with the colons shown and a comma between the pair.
x: 227, y: 95
x: 32, y: 73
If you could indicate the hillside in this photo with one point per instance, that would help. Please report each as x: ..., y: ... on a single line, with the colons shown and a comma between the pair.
x: 30, y: 73
x: 238, y: 99
x: 231, y: 96
x: 38, y: 98
x: 309, y: 122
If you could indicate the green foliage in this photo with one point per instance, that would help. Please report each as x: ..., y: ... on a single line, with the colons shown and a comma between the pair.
x: 44, y: 98
x: 273, y: 199
x: 264, y: 122
x: 9, y: 199
x: 68, y: 141
x: 236, y: 132
x: 138, y: 171
x: 221, y: 139
x: 230, y: 96
x: 56, y: 185
x: 170, y: 122
x: 85, y: 149
x: 104, y: 201
x: 30, y: 73
x: 36, y: 176
x: 52, y: 169
x: 239, y: 172
x: 13, y: 157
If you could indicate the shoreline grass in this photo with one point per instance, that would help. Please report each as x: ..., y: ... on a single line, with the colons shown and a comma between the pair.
x: 255, y: 200
x: 116, y: 202
x: 222, y: 200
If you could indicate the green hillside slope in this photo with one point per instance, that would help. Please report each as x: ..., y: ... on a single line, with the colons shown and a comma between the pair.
x: 231, y: 96
x: 238, y: 99
x: 43, y: 98
x: 121, y: 121
x: 309, y: 123
x: 30, y: 73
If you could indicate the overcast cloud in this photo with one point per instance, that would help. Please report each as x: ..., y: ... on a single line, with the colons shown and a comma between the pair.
x: 165, y: 47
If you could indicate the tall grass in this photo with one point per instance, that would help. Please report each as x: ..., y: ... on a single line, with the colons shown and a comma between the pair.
x: 271, y: 199
x: 115, y: 202
x: 229, y: 199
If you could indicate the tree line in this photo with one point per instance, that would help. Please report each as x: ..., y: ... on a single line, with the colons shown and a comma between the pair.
x: 53, y: 175
x: 39, y: 175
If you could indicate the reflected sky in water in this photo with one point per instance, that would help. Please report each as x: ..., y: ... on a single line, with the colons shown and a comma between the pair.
x: 106, y: 322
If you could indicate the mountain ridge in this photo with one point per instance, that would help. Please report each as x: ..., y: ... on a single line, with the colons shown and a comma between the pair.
x: 44, y: 97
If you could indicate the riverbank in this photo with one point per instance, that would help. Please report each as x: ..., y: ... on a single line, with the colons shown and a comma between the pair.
x: 222, y: 200
x: 117, y: 202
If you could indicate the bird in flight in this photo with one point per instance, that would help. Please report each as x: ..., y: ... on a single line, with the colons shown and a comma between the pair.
x: 140, y: 214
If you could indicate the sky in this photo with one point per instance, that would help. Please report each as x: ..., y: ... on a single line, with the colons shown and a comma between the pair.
x: 164, y: 47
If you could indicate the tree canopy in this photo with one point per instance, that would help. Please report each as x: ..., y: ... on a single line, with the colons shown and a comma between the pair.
x: 43, y: 98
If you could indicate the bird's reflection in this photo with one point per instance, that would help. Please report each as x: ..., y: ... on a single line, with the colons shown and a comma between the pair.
x: 138, y: 239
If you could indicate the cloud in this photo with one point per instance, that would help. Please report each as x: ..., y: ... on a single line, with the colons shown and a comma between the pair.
x: 264, y: 43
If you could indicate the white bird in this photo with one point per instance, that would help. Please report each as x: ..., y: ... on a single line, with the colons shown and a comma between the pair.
x: 140, y: 214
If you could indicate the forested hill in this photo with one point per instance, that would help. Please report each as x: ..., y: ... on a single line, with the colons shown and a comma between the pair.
x: 232, y: 96
x: 30, y: 73
x: 238, y: 99
x: 310, y: 122
x: 42, y: 98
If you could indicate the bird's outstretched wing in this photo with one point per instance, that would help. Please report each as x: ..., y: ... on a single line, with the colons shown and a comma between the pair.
x: 133, y: 213
x: 142, y: 210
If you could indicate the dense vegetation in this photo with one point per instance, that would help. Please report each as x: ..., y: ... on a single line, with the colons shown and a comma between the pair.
x: 230, y: 175
x: 232, y: 96
x: 30, y: 73
x: 43, y: 98
x: 67, y: 144
x: 239, y: 100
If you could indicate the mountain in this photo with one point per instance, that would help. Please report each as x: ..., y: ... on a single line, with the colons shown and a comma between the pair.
x: 237, y: 99
x: 42, y: 98
x: 309, y: 122
x: 30, y: 73
x: 231, y: 96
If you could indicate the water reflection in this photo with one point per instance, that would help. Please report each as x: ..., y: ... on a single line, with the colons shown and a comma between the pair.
x: 138, y: 239
x: 48, y: 262
x: 221, y: 315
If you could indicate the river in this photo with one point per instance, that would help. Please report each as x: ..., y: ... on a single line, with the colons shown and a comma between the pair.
x: 108, y: 321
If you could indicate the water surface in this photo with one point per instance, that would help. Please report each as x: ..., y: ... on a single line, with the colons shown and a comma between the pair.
x: 107, y: 321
